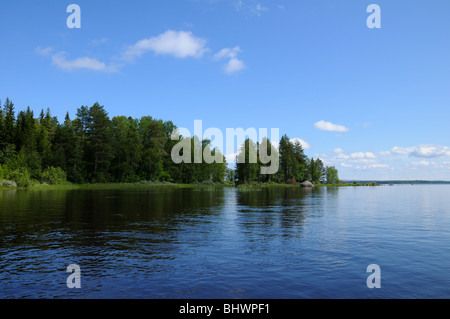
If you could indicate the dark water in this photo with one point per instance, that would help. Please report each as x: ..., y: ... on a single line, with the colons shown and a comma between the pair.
x: 224, y: 243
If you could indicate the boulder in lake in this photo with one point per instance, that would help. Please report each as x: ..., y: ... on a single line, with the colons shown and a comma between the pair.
x: 307, y: 184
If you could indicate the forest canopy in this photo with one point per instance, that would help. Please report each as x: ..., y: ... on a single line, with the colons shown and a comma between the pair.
x: 94, y: 148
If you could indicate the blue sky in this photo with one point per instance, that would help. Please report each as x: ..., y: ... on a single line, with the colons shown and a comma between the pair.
x: 372, y: 102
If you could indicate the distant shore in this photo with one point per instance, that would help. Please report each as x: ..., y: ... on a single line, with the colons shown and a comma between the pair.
x: 168, y: 185
x: 418, y: 182
x: 267, y: 185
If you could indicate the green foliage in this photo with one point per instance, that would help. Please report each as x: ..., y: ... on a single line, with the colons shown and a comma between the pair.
x: 294, y: 165
x: 99, y: 151
x: 8, y: 153
x: 287, y: 158
x: 54, y: 176
x: 127, y: 149
x: 230, y: 175
x: 246, y: 163
x: 3, y: 172
x: 300, y: 162
x: 9, y: 122
x: 317, y: 171
x: 332, y: 175
x: 92, y: 148
x: 22, y: 177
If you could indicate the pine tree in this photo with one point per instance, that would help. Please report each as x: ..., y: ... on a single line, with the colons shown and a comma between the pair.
x: 25, y: 131
x: 9, y: 123
x: 301, y: 162
x: 287, y: 159
x: 99, y: 143
x: 127, y: 149
x: 271, y: 153
x: 153, y: 139
x: 64, y: 148
x: 317, y: 171
x: 2, y: 130
x: 246, y: 166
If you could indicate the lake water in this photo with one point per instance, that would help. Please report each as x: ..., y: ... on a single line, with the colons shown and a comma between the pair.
x: 285, y: 243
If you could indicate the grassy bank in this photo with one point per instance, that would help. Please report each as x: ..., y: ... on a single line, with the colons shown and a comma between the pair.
x: 269, y: 185
x: 111, y: 186
x: 349, y: 184
x: 263, y: 185
x: 253, y: 186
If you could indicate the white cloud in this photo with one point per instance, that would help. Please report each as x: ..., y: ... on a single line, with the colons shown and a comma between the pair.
x: 369, y: 167
x: 234, y: 64
x: 60, y: 60
x: 430, y: 165
x: 328, y: 126
x: 259, y: 9
x: 250, y: 8
x: 421, y: 163
x: 424, y: 151
x: 385, y: 153
x: 180, y: 44
x: 360, y: 161
x: 44, y: 51
x: 361, y: 155
x: 377, y: 166
x: 429, y: 151
x: 365, y: 167
x: 227, y: 53
x: 358, y: 156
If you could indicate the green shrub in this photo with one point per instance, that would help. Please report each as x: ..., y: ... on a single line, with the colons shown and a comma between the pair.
x: 165, y: 177
x: 54, y: 176
x: 2, y: 171
x: 22, y: 177
x: 208, y: 183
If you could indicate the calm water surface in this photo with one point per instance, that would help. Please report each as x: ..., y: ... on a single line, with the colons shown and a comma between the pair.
x: 224, y: 243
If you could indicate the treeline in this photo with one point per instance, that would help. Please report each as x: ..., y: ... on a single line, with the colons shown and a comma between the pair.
x: 294, y: 165
x: 92, y: 148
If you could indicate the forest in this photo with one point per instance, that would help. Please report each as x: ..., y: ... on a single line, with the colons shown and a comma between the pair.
x: 94, y: 148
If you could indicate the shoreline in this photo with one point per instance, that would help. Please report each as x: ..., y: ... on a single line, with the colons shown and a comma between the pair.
x: 166, y: 185
x: 110, y: 186
x: 144, y: 185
